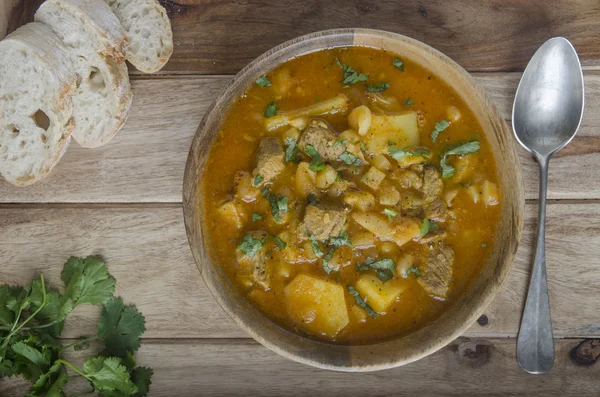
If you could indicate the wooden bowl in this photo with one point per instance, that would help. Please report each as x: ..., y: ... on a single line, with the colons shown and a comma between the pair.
x: 459, y: 316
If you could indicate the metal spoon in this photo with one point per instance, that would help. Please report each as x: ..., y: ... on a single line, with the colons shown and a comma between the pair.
x: 546, y: 115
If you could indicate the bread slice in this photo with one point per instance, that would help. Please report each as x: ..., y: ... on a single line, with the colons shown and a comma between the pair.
x: 96, y: 43
x: 148, y: 28
x: 37, y: 83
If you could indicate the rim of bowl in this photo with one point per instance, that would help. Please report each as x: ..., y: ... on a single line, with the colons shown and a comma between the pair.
x: 351, y: 358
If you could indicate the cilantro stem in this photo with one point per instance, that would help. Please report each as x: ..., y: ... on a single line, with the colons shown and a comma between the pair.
x: 50, y: 324
x: 35, y: 312
x: 16, y: 329
x: 91, y: 338
x: 68, y: 364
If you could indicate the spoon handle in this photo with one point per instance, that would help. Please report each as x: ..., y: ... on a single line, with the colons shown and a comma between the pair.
x: 535, y: 345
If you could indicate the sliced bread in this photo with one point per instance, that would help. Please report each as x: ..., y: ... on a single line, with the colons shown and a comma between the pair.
x: 37, y: 83
x: 149, y: 32
x: 96, y: 44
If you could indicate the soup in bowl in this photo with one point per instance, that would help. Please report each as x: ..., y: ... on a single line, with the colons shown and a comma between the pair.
x: 353, y: 200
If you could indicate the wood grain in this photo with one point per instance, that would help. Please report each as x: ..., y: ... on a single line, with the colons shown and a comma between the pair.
x: 216, y: 37
x: 145, y: 161
x: 146, y: 250
x: 467, y: 367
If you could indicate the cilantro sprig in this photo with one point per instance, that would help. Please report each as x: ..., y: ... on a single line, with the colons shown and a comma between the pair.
x: 316, y: 163
x: 463, y: 149
x: 350, y: 76
x: 31, y: 318
x: 439, y: 127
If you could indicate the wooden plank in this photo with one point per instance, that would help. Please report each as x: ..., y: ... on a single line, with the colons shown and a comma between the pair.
x: 481, y: 367
x: 145, y: 162
x: 213, y: 37
x: 146, y: 250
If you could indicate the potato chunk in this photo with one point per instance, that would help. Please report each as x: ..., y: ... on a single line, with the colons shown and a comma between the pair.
x: 318, y: 306
x: 359, y: 119
x: 359, y: 200
x: 398, y: 128
x: 305, y: 180
x: 373, y: 178
x: 400, y: 231
x: 376, y: 293
x: 489, y: 192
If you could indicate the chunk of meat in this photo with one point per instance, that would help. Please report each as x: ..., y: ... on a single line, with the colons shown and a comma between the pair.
x: 320, y: 136
x: 323, y: 220
x: 435, y: 208
x: 438, y: 234
x: 270, y: 160
x: 435, y: 278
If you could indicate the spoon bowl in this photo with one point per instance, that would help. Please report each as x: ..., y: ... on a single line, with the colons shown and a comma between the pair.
x: 548, y: 105
x: 547, y: 113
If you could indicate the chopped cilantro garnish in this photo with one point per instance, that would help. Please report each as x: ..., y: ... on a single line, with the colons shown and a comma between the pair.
x: 326, y: 268
x: 314, y: 243
x: 342, y: 239
x: 390, y: 213
x: 439, y: 127
x: 361, y: 302
x: 257, y: 180
x: 427, y: 226
x: 291, y: 150
x: 316, y: 164
x: 363, y: 147
x: 312, y: 199
x: 271, y: 110
x: 351, y: 76
x: 378, y: 87
x: 413, y: 270
x: 398, y: 64
x: 350, y: 159
x: 256, y: 217
x: 263, y: 81
x: 385, y: 268
x: 338, y: 177
x: 408, y: 101
x: 250, y: 245
x: 399, y: 153
x: 465, y: 148
x: 483, y: 245
x: 280, y: 243
x: 279, y: 204
x: 340, y: 142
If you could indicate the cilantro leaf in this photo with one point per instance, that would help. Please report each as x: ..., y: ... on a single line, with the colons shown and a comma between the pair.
x: 328, y: 269
x: 340, y: 142
x: 54, y: 311
x: 7, y: 293
x: 141, y: 378
x: 279, y: 204
x: 257, y: 180
x: 263, y: 81
x: 256, y: 217
x: 87, y: 281
x: 400, y: 153
x: 350, y: 159
x: 409, y: 101
x: 120, y: 328
x: 108, y: 375
x: 385, y: 269
x: 398, y: 64
x: 291, y: 150
x: 250, y: 245
x: 425, y: 227
x: 378, y: 87
x: 314, y: 243
x: 413, y: 270
x: 312, y: 199
x: 280, y: 243
x: 342, y: 239
x: 52, y: 381
x: 361, y: 302
x: 463, y: 149
x: 439, y: 127
x: 365, y: 267
x: 390, y: 213
x: 271, y: 110
x: 316, y: 164
x: 351, y: 76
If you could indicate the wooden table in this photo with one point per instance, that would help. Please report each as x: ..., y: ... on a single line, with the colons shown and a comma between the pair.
x: 123, y: 202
